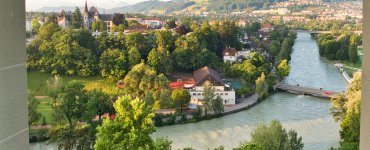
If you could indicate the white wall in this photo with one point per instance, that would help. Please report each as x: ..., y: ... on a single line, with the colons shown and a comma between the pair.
x: 228, y: 97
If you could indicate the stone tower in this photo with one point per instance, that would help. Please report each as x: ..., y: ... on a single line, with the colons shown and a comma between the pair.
x: 86, y: 16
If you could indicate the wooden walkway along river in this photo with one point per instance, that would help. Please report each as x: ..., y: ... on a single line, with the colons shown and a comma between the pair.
x: 297, y: 89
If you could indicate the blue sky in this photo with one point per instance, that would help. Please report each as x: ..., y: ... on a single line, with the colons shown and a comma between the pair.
x: 36, y: 4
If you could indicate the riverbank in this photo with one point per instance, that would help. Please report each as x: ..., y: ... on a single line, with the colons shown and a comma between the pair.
x: 168, y: 117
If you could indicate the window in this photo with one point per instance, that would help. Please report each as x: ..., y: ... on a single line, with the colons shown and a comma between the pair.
x: 226, y: 93
x: 198, y: 94
x: 222, y: 93
x: 194, y: 94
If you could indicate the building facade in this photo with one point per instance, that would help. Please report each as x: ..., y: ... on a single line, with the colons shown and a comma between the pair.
x: 88, y: 17
x: 220, y: 89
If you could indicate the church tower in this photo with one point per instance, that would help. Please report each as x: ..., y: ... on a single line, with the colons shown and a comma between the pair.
x: 86, y: 16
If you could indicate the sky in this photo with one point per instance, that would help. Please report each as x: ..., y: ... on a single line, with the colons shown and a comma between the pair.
x: 32, y: 5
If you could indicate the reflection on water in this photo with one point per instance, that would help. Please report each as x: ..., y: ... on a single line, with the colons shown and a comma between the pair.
x: 309, y: 116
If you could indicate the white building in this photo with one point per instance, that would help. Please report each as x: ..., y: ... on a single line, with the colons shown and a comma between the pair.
x: 220, y: 88
x: 230, y: 55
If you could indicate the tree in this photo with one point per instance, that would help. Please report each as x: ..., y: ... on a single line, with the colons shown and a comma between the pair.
x: 102, y: 26
x: 162, y: 144
x: 95, y: 26
x: 283, y: 69
x: 72, y: 59
x: 295, y: 142
x: 69, y: 107
x: 208, y: 96
x: 190, y: 54
x: 70, y: 99
x: 255, y: 26
x: 160, y: 60
x: 247, y: 146
x: 274, y: 48
x: 131, y: 129
x: 170, y: 24
x: 352, y: 52
x: 286, y: 49
x: 182, y: 29
x: 138, y: 41
x: 118, y: 28
x: 33, y: 115
x: 77, y: 19
x: 99, y: 103
x: 261, y: 86
x: 133, y: 57
x: 165, y: 40
x: 338, y: 108
x: 119, y: 19
x: 35, y: 25
x: 180, y: 97
x: 217, y: 105
x: 331, y: 49
x: 142, y: 81
x: 113, y: 64
x: 346, y: 108
x: 274, y: 137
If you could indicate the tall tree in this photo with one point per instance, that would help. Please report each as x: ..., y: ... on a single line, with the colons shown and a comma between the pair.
x: 35, y: 25
x: 142, y: 81
x: 261, y: 86
x: 207, y: 97
x: 217, y: 105
x: 98, y: 104
x: 33, y: 115
x: 346, y: 109
x: 131, y: 129
x: 77, y: 19
x: 119, y: 19
x: 113, y: 64
x: 165, y: 40
x: 138, y: 41
x: 160, y: 59
x: 180, y: 97
x: 134, y: 57
x: 69, y: 107
x: 283, y: 69
x: 274, y: 137
x: 352, y: 52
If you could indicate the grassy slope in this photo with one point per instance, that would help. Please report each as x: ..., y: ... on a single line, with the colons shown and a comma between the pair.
x: 37, y: 83
x: 45, y: 109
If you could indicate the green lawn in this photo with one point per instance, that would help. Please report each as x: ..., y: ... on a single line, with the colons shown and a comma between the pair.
x: 37, y: 83
x: 45, y: 109
x: 37, y: 86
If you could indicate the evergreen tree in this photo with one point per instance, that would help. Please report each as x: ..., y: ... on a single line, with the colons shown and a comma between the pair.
x: 352, y: 52
x: 77, y: 19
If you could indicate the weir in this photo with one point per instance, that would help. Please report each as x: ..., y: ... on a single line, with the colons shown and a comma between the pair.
x: 297, y: 89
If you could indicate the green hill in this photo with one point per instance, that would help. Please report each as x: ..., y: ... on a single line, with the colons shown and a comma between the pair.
x: 179, y: 5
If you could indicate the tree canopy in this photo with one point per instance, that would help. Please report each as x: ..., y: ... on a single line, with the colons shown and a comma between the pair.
x: 131, y: 128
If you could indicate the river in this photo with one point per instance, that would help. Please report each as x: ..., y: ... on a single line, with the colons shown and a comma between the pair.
x: 309, y: 116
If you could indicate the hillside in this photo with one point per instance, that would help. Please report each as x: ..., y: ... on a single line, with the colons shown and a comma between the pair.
x: 185, y: 6
x: 153, y: 6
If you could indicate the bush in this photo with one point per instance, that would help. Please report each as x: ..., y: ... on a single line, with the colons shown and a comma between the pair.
x: 246, y: 90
